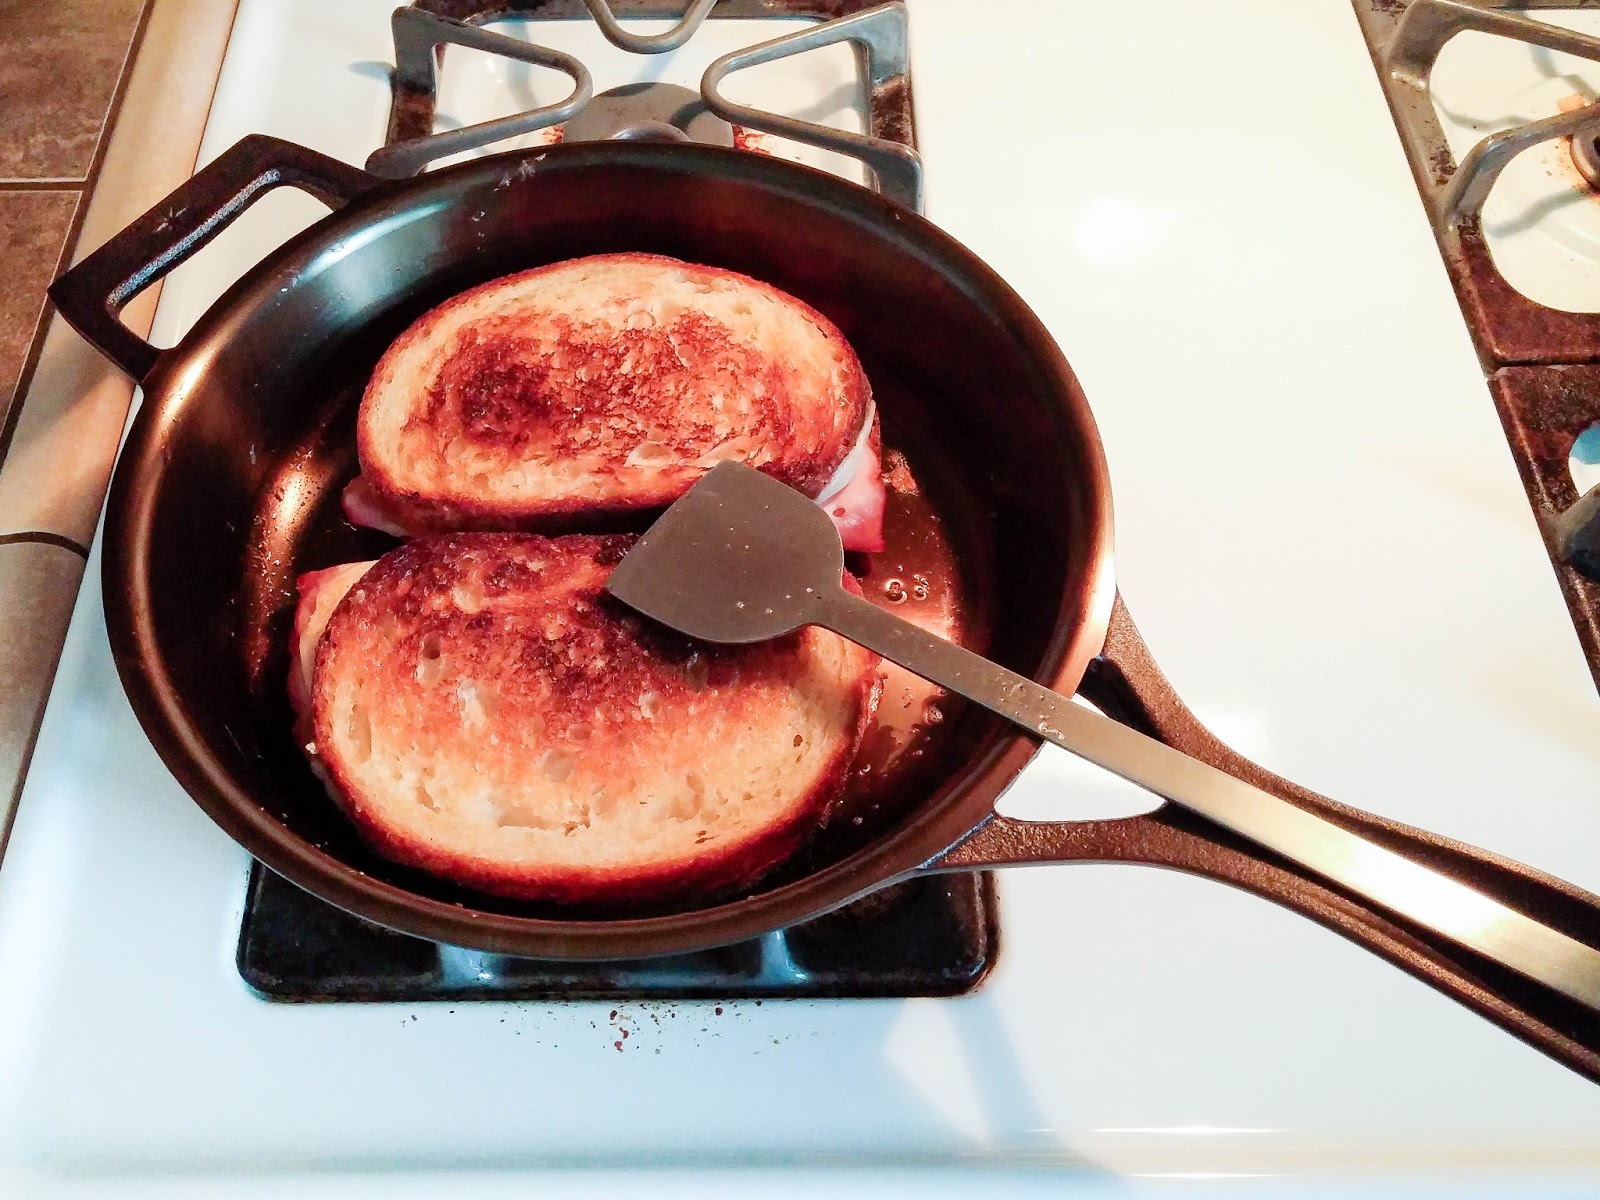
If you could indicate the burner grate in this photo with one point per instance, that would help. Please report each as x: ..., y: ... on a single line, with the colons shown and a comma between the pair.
x: 1509, y: 328
x: 876, y: 34
x: 1541, y: 362
x: 933, y: 936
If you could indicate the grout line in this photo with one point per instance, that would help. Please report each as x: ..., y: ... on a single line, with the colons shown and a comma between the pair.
x: 44, y: 537
x: 11, y: 407
x: 43, y: 184
x: 10, y: 418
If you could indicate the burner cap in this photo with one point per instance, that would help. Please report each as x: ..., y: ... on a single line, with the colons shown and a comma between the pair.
x: 648, y: 112
x: 1586, y: 155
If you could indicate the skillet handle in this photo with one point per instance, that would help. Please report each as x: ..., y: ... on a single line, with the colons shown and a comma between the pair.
x: 92, y: 293
x: 1126, y: 684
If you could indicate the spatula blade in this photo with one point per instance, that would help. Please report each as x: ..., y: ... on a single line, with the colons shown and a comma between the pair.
x: 741, y: 557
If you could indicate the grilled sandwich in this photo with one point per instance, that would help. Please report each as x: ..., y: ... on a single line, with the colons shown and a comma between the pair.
x: 483, y: 711
x: 593, y: 391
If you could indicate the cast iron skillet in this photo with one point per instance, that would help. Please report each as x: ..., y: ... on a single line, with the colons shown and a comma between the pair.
x: 226, y: 483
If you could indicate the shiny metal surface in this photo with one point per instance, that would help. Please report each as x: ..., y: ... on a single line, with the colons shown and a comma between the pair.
x: 743, y: 558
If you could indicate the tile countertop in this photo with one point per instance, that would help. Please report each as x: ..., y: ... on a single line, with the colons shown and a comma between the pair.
x: 105, y: 102
x: 61, y: 67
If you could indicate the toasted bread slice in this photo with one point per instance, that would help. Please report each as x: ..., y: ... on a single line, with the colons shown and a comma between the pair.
x: 483, y: 711
x: 601, y: 388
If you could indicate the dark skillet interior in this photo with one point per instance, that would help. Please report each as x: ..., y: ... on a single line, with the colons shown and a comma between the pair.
x: 233, y: 472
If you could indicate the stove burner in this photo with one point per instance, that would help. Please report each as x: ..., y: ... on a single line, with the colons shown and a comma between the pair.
x: 934, y: 936
x: 1540, y: 360
x: 648, y: 112
x: 1585, y: 148
x: 875, y: 32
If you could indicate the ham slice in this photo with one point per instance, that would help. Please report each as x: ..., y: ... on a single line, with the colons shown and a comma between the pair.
x: 857, y: 507
x: 320, y: 593
x: 362, y: 507
x: 854, y: 498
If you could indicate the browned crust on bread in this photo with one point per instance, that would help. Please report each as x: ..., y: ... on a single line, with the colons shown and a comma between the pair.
x: 558, y: 669
x: 556, y: 385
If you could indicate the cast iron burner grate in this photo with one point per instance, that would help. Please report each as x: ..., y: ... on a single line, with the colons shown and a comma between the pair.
x: 1542, y: 364
x: 935, y: 936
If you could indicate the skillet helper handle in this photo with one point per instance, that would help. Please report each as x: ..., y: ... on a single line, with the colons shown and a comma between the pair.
x: 1474, y: 918
x: 92, y: 293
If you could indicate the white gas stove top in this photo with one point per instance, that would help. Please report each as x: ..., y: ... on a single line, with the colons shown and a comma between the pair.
x: 1320, y: 532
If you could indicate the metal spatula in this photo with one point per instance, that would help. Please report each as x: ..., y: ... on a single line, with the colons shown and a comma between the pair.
x: 743, y: 558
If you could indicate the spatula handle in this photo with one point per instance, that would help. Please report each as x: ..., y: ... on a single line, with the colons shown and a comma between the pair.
x: 1404, y: 887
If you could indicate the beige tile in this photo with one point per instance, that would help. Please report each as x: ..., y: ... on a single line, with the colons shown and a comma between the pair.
x: 33, y: 232
x: 38, y: 583
x: 60, y: 61
x: 55, y: 474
